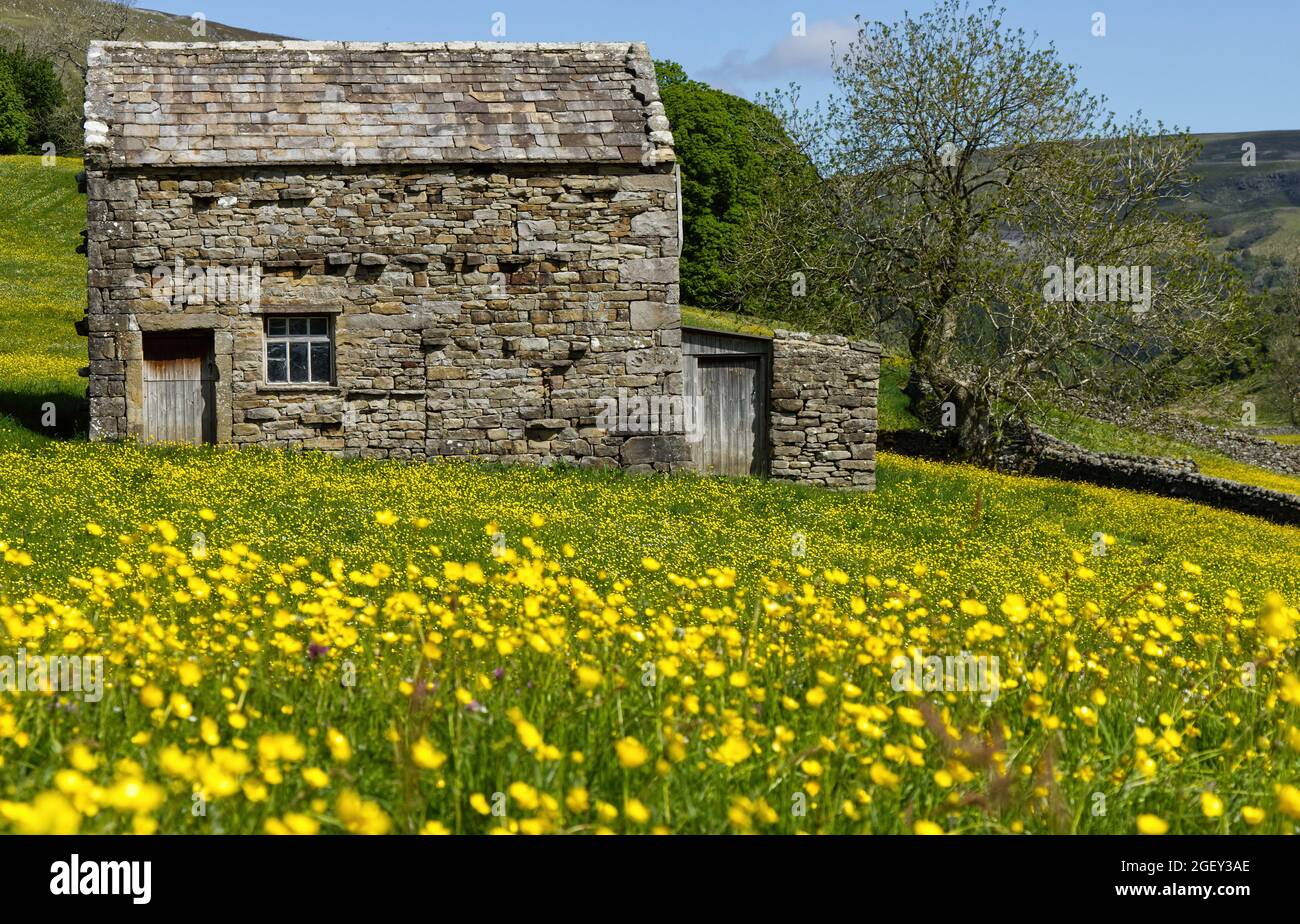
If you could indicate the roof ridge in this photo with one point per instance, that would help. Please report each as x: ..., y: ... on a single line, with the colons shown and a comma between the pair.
x: 322, y: 45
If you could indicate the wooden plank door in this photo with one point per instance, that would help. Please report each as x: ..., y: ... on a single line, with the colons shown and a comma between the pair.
x: 730, y: 439
x: 179, y: 389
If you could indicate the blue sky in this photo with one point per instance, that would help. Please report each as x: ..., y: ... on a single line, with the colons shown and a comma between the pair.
x: 1208, y: 66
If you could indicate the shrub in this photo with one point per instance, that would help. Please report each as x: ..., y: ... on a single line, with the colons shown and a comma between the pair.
x: 40, y: 89
x: 14, y: 121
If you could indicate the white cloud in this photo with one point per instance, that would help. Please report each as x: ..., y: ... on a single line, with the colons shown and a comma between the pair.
x: 792, y: 56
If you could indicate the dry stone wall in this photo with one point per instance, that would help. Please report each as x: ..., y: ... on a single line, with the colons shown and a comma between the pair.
x: 823, y: 410
x: 1038, y: 453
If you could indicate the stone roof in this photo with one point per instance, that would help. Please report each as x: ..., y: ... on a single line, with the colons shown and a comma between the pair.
x: 231, y: 103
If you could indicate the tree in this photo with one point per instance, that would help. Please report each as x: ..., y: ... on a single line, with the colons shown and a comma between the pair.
x: 41, y: 90
x: 723, y: 170
x: 973, y: 195
x: 670, y: 74
x: 1284, y: 342
x: 14, y: 123
x: 80, y: 22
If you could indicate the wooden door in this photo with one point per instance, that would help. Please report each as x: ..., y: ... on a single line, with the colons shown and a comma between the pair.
x: 179, y: 389
x: 730, y: 438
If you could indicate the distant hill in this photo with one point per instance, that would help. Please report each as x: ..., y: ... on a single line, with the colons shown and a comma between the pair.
x: 20, y: 19
x: 1251, y: 207
x: 1246, y: 208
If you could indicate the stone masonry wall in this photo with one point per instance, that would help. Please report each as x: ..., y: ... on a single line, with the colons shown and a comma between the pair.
x: 823, y: 410
x: 477, y: 310
x: 1038, y: 453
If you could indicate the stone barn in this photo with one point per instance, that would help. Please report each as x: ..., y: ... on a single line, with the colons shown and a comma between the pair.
x: 413, y: 251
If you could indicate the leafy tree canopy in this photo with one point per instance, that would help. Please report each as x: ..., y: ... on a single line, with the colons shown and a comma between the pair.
x: 14, y: 122
x: 723, y: 169
x: 40, y: 88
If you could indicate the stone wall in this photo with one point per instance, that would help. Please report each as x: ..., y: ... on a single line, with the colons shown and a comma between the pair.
x: 1241, y: 445
x: 477, y: 311
x: 1245, y: 444
x: 1038, y: 453
x: 823, y: 410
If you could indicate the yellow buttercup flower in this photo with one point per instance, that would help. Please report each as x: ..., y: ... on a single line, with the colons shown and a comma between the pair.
x: 631, y: 753
x: 425, y: 755
x: 1151, y: 824
x: 1211, y: 805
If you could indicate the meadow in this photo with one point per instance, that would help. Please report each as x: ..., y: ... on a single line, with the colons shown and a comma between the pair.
x: 298, y: 644
x: 294, y: 643
x: 42, y: 295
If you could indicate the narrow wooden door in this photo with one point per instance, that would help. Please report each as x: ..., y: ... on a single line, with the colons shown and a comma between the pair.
x: 730, y: 438
x: 179, y: 389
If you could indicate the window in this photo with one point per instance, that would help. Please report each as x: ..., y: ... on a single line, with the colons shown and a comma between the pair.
x: 298, y: 350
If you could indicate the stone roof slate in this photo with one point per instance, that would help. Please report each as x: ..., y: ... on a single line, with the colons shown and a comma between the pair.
x: 233, y: 103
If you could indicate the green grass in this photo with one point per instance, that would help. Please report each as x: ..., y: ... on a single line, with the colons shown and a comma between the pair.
x: 42, y: 294
x: 1107, y: 437
x: 728, y: 322
x: 621, y: 571
x: 894, y: 407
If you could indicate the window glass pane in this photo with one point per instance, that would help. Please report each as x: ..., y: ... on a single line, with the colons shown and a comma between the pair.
x: 277, y: 365
x: 297, y: 325
x: 320, y: 361
x: 298, y: 361
x: 275, y: 327
x: 318, y: 327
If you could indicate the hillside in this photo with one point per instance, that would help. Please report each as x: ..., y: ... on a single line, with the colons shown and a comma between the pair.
x: 1251, y: 207
x: 42, y: 294
x: 20, y: 19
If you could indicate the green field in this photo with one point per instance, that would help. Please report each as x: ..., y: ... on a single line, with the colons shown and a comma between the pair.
x: 42, y: 294
x: 302, y: 644
x: 768, y: 617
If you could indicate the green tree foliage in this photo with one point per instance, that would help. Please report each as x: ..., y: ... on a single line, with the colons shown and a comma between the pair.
x: 723, y: 170
x: 962, y: 168
x: 14, y: 122
x: 670, y: 74
x: 1283, y: 338
x: 41, y: 91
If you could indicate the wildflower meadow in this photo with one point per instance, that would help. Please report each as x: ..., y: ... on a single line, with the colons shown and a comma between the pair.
x: 296, y: 644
